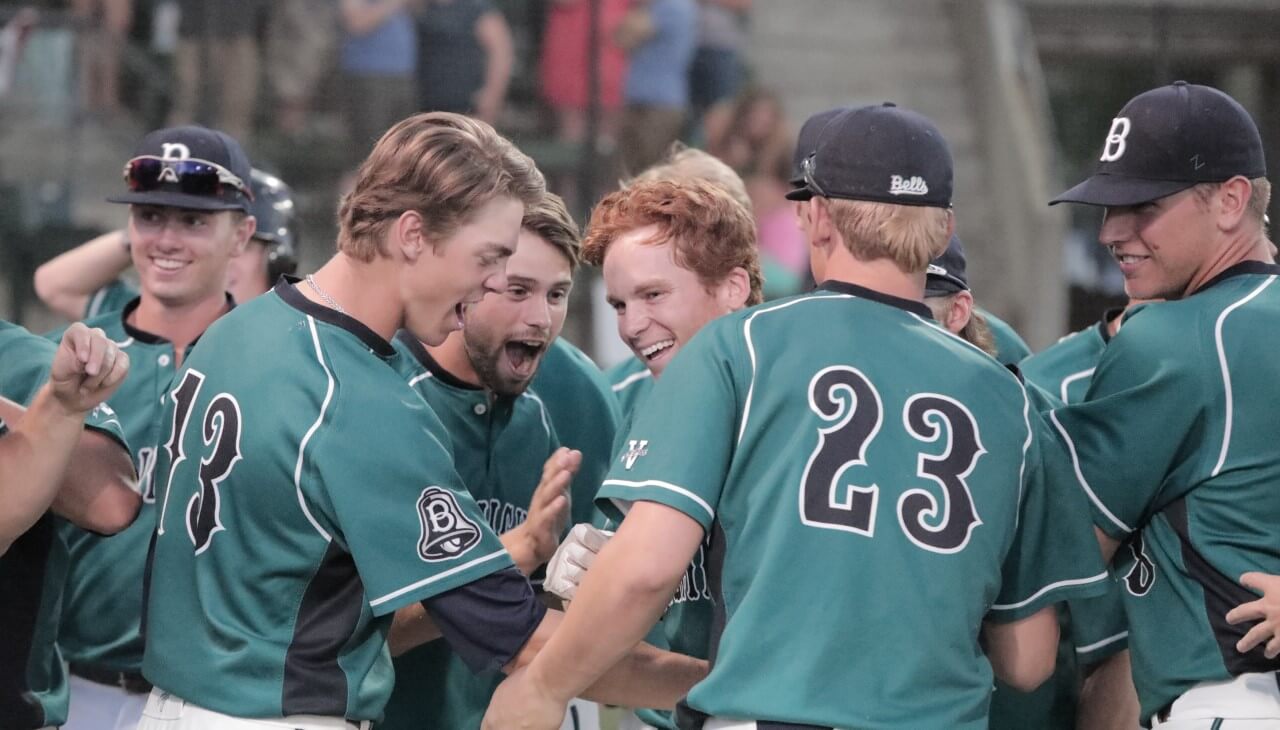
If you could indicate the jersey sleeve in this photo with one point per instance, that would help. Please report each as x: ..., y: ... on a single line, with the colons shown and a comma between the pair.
x: 678, y: 449
x: 1054, y: 555
x: 1098, y: 625
x: 1141, y: 420
x: 25, y: 360
x: 398, y: 504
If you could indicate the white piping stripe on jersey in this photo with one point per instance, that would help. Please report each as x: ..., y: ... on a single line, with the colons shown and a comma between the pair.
x: 1099, y: 644
x: 419, y: 378
x: 751, y: 349
x: 302, y: 447
x: 1052, y: 586
x: 437, y: 577
x: 124, y: 343
x: 1075, y: 462
x: 95, y: 303
x: 1026, y: 447
x: 542, y: 408
x: 630, y: 380
x: 1226, y: 376
x: 664, y: 485
x: 1073, y: 378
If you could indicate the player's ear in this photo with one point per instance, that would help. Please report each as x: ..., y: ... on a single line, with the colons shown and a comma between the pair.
x: 245, y: 226
x: 409, y: 235
x: 734, y: 289
x: 1232, y: 202
x: 961, y: 311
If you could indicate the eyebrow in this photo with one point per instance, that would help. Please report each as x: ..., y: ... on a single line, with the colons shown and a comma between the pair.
x: 532, y: 283
x: 504, y: 249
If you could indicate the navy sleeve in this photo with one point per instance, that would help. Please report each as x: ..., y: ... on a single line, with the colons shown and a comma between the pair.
x: 487, y: 621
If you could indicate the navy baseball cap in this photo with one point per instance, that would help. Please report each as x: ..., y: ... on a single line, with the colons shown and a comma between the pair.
x: 946, y: 274
x: 188, y: 167
x: 1168, y: 139
x: 806, y: 143
x: 883, y: 154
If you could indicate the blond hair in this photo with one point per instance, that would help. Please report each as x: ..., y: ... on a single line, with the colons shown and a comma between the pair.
x: 688, y: 163
x: 909, y: 235
x: 444, y: 166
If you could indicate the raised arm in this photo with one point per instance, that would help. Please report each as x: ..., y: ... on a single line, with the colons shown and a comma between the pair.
x: 65, y: 282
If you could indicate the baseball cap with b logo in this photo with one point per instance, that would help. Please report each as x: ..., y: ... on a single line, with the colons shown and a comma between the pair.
x: 188, y: 167
x: 1167, y: 140
x: 882, y: 154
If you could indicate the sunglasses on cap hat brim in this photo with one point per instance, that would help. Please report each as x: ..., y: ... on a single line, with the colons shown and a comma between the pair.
x: 186, y: 183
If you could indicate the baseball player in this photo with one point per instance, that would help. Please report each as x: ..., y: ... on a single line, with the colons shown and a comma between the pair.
x: 1097, y: 627
x: 477, y: 382
x: 849, y: 475
x: 307, y: 492
x: 1170, y: 440
x: 51, y: 461
x: 676, y: 253
x: 632, y: 379
x: 188, y: 197
x: 85, y: 281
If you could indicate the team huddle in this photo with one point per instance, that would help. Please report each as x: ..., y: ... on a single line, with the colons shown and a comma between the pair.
x: 388, y: 494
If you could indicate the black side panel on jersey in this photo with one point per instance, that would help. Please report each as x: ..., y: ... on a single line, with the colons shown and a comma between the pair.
x: 487, y: 621
x: 686, y: 717
x: 1221, y: 594
x: 314, y: 683
x: 22, y: 571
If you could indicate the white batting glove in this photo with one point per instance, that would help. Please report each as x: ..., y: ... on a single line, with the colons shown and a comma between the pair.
x: 573, y: 558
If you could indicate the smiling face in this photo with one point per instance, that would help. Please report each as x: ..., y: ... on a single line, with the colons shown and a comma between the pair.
x: 660, y: 304
x: 182, y: 255
x: 1160, y: 246
x: 508, y: 332
x: 459, y: 269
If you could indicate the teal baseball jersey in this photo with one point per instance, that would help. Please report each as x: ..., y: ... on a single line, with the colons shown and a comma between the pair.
x: 1010, y: 347
x: 879, y: 487
x: 305, y: 495
x: 1097, y: 625
x: 1066, y: 367
x: 111, y: 298
x: 1174, y: 445
x: 102, y: 603
x: 500, y: 445
x: 33, y: 683
x: 631, y: 382
x: 584, y: 414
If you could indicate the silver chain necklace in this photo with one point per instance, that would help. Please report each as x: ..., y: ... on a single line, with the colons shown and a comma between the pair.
x: 324, y: 296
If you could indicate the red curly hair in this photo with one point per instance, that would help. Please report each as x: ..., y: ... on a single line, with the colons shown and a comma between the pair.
x: 710, y: 233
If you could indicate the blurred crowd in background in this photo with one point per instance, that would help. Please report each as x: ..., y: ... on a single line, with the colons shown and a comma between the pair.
x: 593, y: 90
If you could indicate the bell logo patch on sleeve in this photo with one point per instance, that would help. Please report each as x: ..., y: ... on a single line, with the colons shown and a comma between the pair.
x: 447, y: 532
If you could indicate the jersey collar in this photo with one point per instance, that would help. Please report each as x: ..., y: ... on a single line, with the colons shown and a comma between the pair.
x: 150, y: 338
x: 1104, y: 326
x: 1241, y: 269
x: 287, y: 290
x: 435, y: 368
x: 843, y: 287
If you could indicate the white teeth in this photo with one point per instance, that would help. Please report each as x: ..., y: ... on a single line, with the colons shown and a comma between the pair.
x: 1128, y: 258
x: 657, y: 347
x: 169, y: 264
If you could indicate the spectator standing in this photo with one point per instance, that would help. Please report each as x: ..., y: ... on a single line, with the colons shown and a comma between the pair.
x: 378, y: 63
x: 106, y: 26
x: 217, y: 45
x: 565, y: 67
x: 300, y: 36
x: 465, y: 58
x: 717, y: 73
x: 661, y: 36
